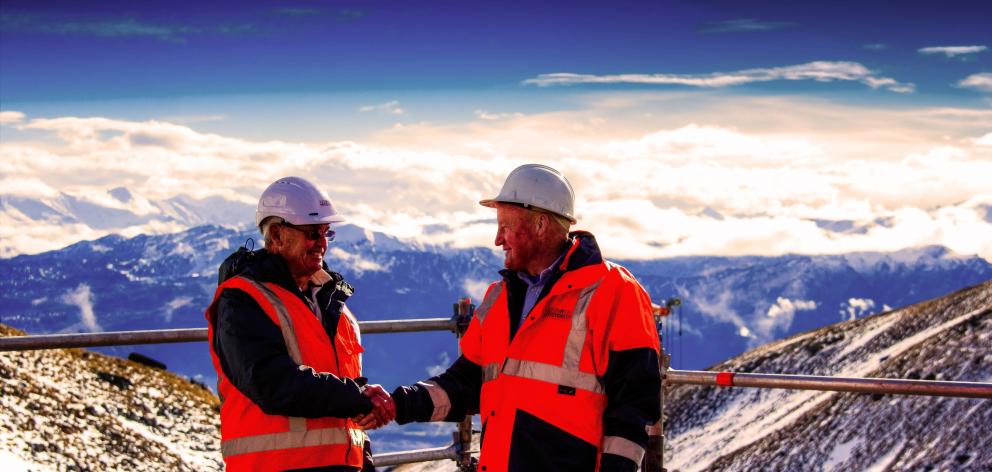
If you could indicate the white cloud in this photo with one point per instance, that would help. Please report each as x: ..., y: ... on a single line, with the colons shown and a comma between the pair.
x: 744, y: 25
x: 82, y: 298
x: 175, y: 304
x: 10, y: 117
x: 444, y: 361
x: 390, y: 107
x: 644, y: 180
x: 981, y: 82
x: 953, y: 51
x: 485, y: 115
x: 779, y: 316
x: 784, y: 307
x: 857, y: 307
x: 820, y: 71
x: 475, y: 289
x: 985, y: 140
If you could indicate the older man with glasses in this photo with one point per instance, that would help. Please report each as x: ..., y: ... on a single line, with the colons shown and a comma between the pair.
x: 286, y: 348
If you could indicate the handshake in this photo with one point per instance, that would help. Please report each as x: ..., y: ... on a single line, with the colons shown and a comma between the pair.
x: 383, y: 408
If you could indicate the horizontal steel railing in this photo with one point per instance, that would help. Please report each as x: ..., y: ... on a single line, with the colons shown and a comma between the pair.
x: 164, y: 336
x: 837, y: 384
x: 419, y: 455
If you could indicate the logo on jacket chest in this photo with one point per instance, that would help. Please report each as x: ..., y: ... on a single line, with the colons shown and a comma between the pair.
x: 552, y: 312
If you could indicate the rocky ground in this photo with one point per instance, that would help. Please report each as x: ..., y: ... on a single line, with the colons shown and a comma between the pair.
x: 73, y: 410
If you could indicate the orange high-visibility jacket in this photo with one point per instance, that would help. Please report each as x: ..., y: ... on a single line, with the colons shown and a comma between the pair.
x: 254, y: 441
x: 545, y: 389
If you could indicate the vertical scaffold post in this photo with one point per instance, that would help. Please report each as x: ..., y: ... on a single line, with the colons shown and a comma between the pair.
x: 654, y: 457
x: 464, y: 310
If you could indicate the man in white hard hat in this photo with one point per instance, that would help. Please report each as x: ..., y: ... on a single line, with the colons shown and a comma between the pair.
x: 287, y: 349
x: 561, y: 358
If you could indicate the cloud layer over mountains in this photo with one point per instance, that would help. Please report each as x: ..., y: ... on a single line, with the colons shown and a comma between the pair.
x: 672, y: 185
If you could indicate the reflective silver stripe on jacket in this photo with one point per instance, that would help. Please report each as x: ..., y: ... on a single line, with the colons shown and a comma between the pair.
x: 623, y: 447
x: 442, y: 404
x: 490, y: 371
x: 553, y: 374
x: 577, y: 335
x: 289, y: 440
x: 488, y: 302
x: 285, y: 322
x: 568, y: 373
x: 297, y: 425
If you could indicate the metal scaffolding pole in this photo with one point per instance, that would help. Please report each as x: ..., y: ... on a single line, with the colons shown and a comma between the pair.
x: 418, y: 455
x: 836, y: 384
x: 164, y: 336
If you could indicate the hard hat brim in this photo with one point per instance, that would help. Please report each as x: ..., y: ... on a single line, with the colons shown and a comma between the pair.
x: 492, y: 202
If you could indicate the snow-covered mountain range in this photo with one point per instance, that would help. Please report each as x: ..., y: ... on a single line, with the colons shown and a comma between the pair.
x: 730, y: 304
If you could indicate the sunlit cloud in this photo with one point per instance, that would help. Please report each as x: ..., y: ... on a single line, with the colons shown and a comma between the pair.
x: 981, y: 82
x: 855, y: 308
x: 953, y: 51
x: 819, y: 71
x: 9, y: 117
x: 779, y: 316
x: 647, y: 185
x: 82, y: 298
x: 390, y: 107
x: 485, y: 115
x: 744, y: 25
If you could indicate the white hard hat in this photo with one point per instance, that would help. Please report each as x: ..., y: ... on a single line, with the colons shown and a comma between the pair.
x: 539, y: 186
x: 297, y: 201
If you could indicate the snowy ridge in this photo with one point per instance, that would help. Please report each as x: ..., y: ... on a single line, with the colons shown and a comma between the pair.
x: 944, y: 339
x: 79, y: 410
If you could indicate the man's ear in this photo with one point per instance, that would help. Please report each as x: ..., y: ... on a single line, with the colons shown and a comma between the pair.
x: 542, y: 223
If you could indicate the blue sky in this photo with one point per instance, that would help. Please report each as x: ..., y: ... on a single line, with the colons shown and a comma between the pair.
x: 112, y: 50
x: 768, y: 121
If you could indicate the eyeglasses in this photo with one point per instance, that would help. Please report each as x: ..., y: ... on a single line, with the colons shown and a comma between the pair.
x: 313, y: 233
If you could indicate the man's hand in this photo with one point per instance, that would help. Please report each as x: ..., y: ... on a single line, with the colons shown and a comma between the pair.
x: 383, y: 408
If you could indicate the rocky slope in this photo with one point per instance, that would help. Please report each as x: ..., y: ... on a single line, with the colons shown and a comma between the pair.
x: 74, y: 410
x: 948, y: 338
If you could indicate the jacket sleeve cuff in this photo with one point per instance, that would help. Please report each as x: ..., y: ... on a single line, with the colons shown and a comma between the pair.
x: 413, y: 403
x: 439, y: 399
x: 622, y: 448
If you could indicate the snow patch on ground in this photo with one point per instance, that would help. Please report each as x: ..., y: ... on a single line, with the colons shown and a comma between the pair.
x: 873, y: 362
x: 740, y: 424
x: 886, y: 460
x: 841, y: 453
x: 9, y: 462
x: 869, y: 334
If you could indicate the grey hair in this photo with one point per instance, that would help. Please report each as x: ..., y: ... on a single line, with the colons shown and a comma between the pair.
x: 265, y: 225
x: 561, y: 220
